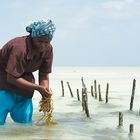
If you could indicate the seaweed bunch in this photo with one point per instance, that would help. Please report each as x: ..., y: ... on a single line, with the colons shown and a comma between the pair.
x: 46, y: 106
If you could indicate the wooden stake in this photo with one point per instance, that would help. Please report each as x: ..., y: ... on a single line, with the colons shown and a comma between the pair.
x: 100, y: 97
x: 132, y: 96
x: 86, y: 105
x: 107, y: 89
x: 62, y: 85
x: 78, y: 94
x: 120, y: 119
x: 83, y: 84
x: 85, y: 102
x: 95, y: 89
x: 70, y: 89
x: 85, y: 91
x: 131, y: 129
x: 92, y: 91
x: 83, y: 99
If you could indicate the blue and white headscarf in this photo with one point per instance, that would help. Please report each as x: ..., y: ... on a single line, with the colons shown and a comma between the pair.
x: 41, y: 28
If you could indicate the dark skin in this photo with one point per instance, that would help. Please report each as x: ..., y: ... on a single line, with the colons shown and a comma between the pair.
x: 40, y: 44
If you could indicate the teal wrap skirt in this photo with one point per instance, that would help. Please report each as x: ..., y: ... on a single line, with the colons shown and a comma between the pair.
x: 19, y: 107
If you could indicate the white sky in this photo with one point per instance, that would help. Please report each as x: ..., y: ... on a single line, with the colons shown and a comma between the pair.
x: 88, y: 32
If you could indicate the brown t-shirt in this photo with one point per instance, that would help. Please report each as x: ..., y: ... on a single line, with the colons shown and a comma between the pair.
x: 17, y: 59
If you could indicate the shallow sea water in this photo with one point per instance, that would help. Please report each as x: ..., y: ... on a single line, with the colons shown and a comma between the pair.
x: 72, y: 122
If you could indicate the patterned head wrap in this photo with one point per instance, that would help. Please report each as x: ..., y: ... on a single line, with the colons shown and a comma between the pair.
x: 41, y: 28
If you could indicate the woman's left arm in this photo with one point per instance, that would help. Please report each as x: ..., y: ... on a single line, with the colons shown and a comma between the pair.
x: 44, y: 80
x: 45, y: 69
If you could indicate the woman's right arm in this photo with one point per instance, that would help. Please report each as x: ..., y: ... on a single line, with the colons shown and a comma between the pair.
x: 22, y: 83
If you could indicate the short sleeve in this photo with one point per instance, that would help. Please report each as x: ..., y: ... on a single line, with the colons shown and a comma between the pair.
x: 46, y: 66
x: 15, y: 64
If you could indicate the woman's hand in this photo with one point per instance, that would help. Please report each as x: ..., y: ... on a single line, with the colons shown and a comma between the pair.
x: 45, y: 92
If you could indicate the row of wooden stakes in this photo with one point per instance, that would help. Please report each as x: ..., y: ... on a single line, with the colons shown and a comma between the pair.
x: 94, y: 91
x: 96, y: 94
